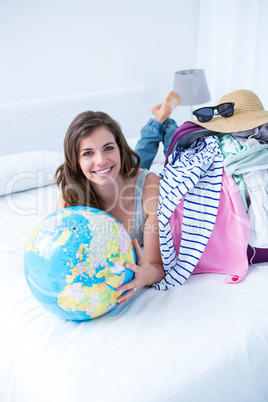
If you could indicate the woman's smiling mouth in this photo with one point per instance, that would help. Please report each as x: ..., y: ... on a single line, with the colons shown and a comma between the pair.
x: 103, y: 171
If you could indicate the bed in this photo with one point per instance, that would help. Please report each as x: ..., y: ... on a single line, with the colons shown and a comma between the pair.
x: 205, y: 340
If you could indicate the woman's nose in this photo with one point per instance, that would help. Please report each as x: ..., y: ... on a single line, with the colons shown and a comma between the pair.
x: 99, y: 158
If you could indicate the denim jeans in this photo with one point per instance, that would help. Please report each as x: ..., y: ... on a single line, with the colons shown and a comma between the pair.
x: 151, y: 135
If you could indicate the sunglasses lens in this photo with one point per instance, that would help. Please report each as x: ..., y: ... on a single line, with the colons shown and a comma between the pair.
x: 226, y: 109
x: 204, y: 114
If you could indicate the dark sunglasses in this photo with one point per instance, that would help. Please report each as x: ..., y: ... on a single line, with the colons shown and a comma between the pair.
x: 205, y: 114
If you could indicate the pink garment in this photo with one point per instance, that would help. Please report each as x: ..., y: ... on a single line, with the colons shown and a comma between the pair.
x: 226, y: 250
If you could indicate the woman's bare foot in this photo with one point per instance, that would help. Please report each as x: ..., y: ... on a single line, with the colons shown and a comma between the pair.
x: 156, y: 108
x: 164, y: 110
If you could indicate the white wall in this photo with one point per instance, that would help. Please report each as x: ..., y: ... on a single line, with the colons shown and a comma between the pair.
x: 232, y: 44
x: 57, y: 47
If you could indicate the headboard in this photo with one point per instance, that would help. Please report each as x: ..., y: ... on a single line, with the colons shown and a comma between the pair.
x: 42, y: 123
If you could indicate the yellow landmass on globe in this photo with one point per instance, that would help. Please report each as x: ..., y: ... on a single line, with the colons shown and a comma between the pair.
x: 112, y: 249
x: 29, y: 246
x: 115, y: 280
x: 114, y: 253
x: 95, y: 289
x: 75, y: 273
x: 127, y: 257
x: 62, y: 239
x: 115, y: 229
x: 106, y: 303
x: 98, y: 299
x: 80, y: 251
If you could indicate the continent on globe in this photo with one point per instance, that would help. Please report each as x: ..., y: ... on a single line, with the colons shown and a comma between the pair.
x: 75, y: 260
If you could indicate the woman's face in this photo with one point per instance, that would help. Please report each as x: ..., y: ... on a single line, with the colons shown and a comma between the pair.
x: 99, y: 157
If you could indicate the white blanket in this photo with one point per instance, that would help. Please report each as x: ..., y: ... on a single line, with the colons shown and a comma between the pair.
x: 205, y: 340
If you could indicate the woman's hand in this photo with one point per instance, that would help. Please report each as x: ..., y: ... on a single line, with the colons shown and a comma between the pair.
x: 145, y: 274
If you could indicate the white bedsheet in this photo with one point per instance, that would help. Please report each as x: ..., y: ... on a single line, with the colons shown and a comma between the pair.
x: 203, y: 341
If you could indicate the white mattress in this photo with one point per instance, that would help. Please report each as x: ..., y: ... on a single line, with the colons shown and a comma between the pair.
x: 203, y: 341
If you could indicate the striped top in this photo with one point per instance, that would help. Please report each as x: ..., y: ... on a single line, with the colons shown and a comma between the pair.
x: 196, y: 174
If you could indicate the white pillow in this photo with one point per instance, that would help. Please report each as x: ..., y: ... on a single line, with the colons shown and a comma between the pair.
x: 26, y: 170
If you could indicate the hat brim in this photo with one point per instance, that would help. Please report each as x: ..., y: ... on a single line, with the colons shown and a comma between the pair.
x: 240, y: 121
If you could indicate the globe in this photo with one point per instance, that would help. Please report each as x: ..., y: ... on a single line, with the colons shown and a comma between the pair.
x: 75, y: 260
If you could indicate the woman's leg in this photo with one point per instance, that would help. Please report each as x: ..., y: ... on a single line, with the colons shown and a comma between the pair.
x: 170, y: 128
x: 163, y: 111
x: 147, y: 146
x: 154, y: 131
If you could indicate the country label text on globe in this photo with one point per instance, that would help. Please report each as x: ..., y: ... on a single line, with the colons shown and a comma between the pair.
x: 75, y: 261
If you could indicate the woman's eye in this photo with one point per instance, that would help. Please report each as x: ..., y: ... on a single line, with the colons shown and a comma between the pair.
x: 109, y: 148
x: 88, y: 153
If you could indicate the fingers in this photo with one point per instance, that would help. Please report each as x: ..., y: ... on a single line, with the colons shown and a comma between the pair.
x: 126, y: 296
x: 128, y: 286
x: 138, y: 250
x: 131, y: 287
x: 139, y: 258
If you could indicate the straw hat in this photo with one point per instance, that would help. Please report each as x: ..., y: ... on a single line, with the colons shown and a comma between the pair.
x: 248, y: 113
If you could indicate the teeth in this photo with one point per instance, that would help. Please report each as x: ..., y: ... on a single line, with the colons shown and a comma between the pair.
x: 103, y: 171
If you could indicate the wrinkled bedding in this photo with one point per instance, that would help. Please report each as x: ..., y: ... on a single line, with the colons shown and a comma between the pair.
x: 205, y: 340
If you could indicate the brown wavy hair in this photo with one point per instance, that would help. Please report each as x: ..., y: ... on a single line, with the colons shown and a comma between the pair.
x: 76, y: 189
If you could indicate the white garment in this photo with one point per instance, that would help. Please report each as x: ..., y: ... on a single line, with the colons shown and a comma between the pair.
x: 260, y: 133
x: 257, y: 185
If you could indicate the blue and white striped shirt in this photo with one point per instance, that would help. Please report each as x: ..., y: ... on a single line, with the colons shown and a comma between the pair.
x: 196, y: 173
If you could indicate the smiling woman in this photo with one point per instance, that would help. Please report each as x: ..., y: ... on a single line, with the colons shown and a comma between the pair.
x: 75, y: 186
x: 99, y: 157
x: 101, y: 170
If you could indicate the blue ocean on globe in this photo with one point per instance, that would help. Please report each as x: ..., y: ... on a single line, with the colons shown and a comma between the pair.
x: 75, y: 260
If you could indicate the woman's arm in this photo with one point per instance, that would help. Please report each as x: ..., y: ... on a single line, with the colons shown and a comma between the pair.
x: 149, y: 268
x: 60, y: 203
x: 151, y: 229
